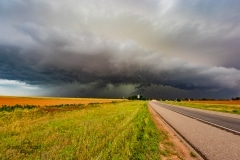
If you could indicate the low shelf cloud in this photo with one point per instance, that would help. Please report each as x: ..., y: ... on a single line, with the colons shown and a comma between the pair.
x: 110, y: 48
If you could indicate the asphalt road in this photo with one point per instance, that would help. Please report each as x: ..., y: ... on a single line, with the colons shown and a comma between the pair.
x: 225, y: 122
x: 211, y: 142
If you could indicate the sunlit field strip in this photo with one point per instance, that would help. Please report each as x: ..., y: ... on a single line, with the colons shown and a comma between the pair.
x: 220, y: 106
x: 47, y: 101
x: 229, y: 102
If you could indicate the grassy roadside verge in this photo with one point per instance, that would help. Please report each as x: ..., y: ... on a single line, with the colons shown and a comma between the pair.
x: 227, y: 108
x: 119, y: 130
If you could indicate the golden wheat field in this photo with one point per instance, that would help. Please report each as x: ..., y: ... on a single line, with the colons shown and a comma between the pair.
x: 48, y: 101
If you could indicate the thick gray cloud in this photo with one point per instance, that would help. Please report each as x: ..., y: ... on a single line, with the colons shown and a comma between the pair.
x: 110, y: 48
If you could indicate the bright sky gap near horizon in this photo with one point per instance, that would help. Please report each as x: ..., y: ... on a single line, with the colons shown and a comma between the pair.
x: 115, y: 48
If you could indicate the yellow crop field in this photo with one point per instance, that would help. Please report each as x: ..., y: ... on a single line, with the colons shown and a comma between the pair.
x: 48, y: 101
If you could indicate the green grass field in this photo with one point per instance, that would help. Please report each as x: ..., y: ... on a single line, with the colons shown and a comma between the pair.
x: 227, y: 108
x: 118, y: 130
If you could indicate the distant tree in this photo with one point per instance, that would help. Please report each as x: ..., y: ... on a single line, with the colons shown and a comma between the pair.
x: 207, y: 99
x: 132, y: 97
x: 236, y: 98
x: 178, y: 100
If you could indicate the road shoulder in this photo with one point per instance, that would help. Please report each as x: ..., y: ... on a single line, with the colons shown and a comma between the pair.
x: 181, y: 150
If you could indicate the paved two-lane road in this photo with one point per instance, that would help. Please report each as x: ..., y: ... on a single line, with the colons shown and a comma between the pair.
x: 229, y: 123
x: 211, y: 142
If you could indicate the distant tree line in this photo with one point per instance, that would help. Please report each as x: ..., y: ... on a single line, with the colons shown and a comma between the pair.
x: 135, y: 97
x: 199, y: 99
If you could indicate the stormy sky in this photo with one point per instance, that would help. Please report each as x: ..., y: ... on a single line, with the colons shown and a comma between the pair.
x: 117, y: 48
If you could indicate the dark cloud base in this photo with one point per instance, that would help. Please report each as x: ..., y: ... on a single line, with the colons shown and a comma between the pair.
x: 91, y: 75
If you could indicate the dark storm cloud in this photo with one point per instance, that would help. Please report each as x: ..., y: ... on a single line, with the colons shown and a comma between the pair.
x: 122, y: 64
x: 101, y: 47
